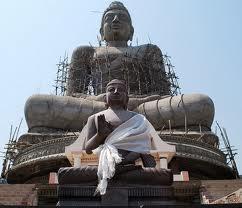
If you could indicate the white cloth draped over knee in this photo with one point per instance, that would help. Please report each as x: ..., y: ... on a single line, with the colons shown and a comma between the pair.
x: 133, y: 135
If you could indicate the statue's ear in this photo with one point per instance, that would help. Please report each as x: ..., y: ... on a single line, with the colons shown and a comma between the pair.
x: 102, y: 34
x: 131, y: 33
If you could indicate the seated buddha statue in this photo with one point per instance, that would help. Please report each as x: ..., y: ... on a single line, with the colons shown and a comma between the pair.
x: 141, y: 67
x: 119, y: 137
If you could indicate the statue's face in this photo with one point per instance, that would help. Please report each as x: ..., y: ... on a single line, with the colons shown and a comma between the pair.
x: 116, y: 26
x: 116, y: 94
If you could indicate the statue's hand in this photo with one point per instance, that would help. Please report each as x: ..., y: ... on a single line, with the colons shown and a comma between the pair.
x: 104, y: 128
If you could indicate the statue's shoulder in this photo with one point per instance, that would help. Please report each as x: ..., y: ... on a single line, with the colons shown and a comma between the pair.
x: 133, y: 113
x: 148, y: 50
x: 151, y: 48
x: 83, y: 51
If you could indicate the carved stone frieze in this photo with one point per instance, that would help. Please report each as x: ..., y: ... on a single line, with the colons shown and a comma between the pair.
x: 186, y: 146
x: 52, y: 145
x: 49, y: 147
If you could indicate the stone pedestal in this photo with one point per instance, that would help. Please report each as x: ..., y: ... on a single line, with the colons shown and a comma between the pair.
x: 78, y: 195
x: 181, y: 194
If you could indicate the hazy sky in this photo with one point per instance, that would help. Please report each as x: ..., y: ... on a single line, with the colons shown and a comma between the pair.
x: 203, y: 37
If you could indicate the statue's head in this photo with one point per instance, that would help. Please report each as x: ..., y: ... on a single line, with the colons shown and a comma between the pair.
x: 117, y: 94
x: 116, y: 23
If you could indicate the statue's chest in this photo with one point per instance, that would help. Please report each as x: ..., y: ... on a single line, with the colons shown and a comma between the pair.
x: 125, y: 63
x: 110, y: 54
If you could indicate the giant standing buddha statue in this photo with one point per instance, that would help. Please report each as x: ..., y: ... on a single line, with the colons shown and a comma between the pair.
x: 55, y: 121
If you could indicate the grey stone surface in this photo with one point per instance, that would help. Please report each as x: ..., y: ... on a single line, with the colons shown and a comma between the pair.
x: 69, y: 113
x: 61, y: 112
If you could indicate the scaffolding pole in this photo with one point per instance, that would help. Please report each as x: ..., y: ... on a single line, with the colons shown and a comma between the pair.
x: 62, y: 76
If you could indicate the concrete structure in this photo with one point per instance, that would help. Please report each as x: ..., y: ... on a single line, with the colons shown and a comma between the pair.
x: 183, y: 120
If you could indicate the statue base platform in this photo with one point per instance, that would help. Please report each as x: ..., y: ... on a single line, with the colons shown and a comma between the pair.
x: 79, y: 195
